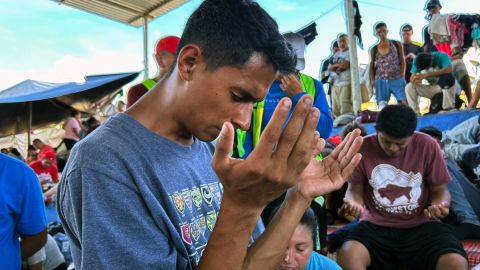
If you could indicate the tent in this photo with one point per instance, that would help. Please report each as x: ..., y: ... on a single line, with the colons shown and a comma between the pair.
x: 135, y: 13
x: 34, y: 104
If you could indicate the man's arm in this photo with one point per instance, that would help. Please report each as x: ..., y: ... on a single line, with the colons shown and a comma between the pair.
x: 372, y: 68
x: 344, y: 65
x: 333, y: 67
x: 325, y: 124
x: 353, y: 201
x: 401, y: 56
x: 476, y: 96
x: 249, y: 185
x: 436, y: 73
x: 31, y: 221
x: 319, y: 178
x: 269, y: 249
x: 32, y: 243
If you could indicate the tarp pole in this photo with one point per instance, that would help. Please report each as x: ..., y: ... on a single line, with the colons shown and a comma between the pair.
x: 354, y: 73
x: 145, y: 47
x: 29, y: 128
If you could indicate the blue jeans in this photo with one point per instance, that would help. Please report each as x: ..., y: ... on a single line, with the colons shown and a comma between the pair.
x: 465, y: 195
x: 384, y: 88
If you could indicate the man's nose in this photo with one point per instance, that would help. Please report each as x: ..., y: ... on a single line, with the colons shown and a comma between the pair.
x: 243, y: 117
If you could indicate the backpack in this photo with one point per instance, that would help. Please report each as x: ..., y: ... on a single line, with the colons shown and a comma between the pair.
x: 436, y: 103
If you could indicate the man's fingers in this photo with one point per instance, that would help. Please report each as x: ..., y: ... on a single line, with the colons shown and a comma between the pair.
x: 294, y: 127
x: 273, y: 130
x: 344, y: 145
x: 319, y: 146
x: 347, y: 146
x: 223, y: 147
x: 427, y: 213
x: 348, y: 170
x: 351, y: 151
x: 302, y: 151
x: 444, y: 211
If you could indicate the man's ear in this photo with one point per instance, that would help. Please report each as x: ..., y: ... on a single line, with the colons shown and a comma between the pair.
x: 189, y: 60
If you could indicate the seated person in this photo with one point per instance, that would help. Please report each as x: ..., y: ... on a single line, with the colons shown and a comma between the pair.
x: 461, y: 138
x: 43, y: 149
x: 470, y: 163
x: 299, y: 254
x: 399, y: 192
x: 47, y: 173
x: 436, y: 69
x: 31, y: 154
x: 465, y: 196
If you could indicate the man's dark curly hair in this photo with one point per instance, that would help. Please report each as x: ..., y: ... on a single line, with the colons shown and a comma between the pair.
x: 398, y: 121
x: 229, y: 32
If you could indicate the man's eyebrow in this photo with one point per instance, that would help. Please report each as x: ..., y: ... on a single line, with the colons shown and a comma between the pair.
x: 245, y: 94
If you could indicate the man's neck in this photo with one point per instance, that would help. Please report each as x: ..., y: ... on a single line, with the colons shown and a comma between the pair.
x: 407, y: 41
x: 160, y: 112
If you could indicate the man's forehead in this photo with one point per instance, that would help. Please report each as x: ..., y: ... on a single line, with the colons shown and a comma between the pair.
x: 391, y: 139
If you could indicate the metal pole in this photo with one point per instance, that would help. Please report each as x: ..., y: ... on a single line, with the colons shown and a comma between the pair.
x: 145, y: 47
x: 354, y: 73
x: 29, y: 128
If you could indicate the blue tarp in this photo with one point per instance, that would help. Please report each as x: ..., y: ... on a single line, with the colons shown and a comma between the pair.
x: 442, y: 121
x: 52, y: 102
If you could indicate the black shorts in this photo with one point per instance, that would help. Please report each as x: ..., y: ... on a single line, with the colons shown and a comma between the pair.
x: 418, y: 247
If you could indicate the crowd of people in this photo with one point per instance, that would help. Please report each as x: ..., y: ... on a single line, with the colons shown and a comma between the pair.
x: 33, y: 197
x: 408, y: 69
x: 234, y: 166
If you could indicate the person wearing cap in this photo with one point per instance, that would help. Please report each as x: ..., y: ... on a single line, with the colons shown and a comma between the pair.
x: 293, y: 86
x: 340, y: 75
x: 437, y: 38
x: 387, y: 67
x: 410, y: 48
x: 165, y: 52
x: 43, y: 149
x: 46, y: 169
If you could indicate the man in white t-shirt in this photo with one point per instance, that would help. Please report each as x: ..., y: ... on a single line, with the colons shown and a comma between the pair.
x: 340, y: 74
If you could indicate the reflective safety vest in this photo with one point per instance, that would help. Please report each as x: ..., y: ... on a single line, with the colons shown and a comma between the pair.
x: 308, y: 85
x: 149, y: 83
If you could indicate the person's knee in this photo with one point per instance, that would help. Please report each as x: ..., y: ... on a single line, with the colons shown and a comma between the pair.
x: 353, y: 255
x: 452, y: 261
x: 410, y: 89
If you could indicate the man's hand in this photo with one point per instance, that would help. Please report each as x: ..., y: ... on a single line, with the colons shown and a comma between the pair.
x: 321, y: 177
x: 276, y: 162
x: 290, y: 84
x: 351, y: 208
x: 344, y: 65
x: 332, y: 67
x: 417, y: 78
x: 437, y: 211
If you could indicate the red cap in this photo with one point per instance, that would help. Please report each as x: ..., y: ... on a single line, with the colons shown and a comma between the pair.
x: 168, y: 43
x: 49, y: 155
